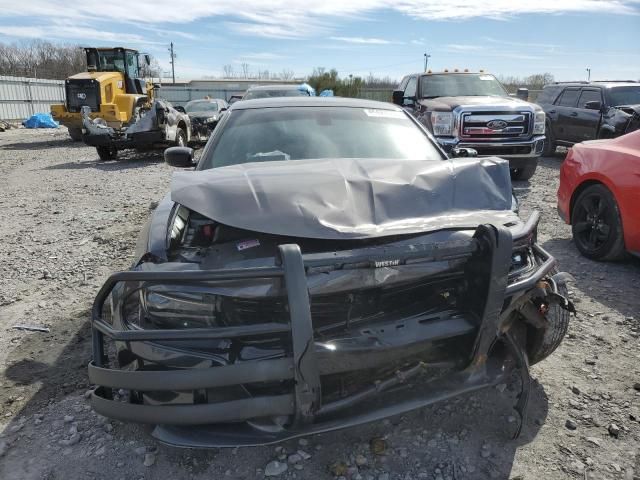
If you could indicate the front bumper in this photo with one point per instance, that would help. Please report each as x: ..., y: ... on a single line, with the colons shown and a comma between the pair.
x: 229, y: 421
x: 518, y: 152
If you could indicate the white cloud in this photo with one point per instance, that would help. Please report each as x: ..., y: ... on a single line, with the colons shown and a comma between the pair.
x: 73, y: 32
x: 261, y: 56
x: 464, y: 48
x: 293, y: 18
x: 363, y: 40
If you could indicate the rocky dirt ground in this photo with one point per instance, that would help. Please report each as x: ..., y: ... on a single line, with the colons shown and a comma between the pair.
x: 69, y: 220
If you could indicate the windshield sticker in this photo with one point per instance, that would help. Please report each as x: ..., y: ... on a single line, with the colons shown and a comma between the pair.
x: 369, y: 112
x: 486, y: 77
x: 245, y: 244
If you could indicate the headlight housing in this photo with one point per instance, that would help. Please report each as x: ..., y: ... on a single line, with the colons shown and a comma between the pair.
x: 442, y: 123
x: 211, y: 119
x: 538, y: 124
x: 171, y: 306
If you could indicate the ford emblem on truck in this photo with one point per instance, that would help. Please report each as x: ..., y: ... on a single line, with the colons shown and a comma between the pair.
x: 497, y: 124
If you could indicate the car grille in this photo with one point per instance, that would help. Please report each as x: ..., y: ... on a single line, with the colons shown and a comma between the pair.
x: 82, y: 92
x: 333, y: 314
x: 488, y: 125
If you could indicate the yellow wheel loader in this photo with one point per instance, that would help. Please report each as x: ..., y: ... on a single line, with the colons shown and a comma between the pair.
x: 111, y: 108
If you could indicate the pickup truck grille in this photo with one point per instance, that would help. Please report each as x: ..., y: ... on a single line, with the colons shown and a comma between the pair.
x: 494, y: 125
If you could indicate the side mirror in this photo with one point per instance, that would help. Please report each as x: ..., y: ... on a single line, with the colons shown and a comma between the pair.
x: 523, y: 94
x: 593, y: 105
x: 224, y: 109
x: 179, y: 157
x: 459, y: 152
x: 398, y: 97
x: 147, y: 59
x: 180, y: 109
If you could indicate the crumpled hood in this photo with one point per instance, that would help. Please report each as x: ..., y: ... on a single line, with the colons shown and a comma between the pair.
x: 449, y: 103
x: 350, y: 198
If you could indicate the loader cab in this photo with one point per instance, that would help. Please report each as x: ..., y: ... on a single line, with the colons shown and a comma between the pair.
x: 123, y: 60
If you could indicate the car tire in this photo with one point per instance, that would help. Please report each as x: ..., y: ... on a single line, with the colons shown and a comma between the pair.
x: 107, y: 153
x: 181, y: 138
x: 549, y: 147
x: 526, y: 172
x: 596, y: 225
x: 75, y: 134
x: 543, y: 342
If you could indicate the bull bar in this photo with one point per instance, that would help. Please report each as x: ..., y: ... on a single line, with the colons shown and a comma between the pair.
x: 302, y: 404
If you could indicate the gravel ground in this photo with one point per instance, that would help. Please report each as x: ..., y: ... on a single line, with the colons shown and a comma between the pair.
x: 68, y: 221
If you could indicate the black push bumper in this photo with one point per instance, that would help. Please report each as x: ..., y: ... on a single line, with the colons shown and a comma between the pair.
x: 223, y: 423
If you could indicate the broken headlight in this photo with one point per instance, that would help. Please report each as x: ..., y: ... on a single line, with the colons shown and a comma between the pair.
x: 442, y: 123
x: 155, y: 307
x: 538, y: 124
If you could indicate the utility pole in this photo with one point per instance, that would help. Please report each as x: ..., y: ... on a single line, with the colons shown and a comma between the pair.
x: 426, y: 61
x: 588, y: 74
x: 173, y: 60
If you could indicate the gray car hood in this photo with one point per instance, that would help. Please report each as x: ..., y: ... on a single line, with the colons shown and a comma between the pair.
x: 350, y: 198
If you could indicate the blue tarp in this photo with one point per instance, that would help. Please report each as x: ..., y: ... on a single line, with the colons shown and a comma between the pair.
x: 326, y: 93
x: 40, y: 120
x: 305, y: 87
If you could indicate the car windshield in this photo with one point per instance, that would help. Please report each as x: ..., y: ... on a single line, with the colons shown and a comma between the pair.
x: 274, y: 93
x: 625, y: 95
x: 297, y: 133
x: 201, y: 107
x: 459, y: 85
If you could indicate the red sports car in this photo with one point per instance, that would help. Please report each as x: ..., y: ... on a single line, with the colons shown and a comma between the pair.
x: 599, y: 196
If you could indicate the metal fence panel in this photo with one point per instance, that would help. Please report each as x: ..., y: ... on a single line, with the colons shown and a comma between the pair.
x: 21, y: 97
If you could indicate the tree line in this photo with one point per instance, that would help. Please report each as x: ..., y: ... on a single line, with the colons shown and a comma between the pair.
x: 43, y: 59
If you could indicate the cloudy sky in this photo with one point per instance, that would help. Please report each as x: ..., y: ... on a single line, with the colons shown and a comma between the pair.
x: 383, y: 37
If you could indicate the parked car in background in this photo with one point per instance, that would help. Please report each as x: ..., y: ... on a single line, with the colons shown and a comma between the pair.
x: 325, y: 265
x: 599, y: 196
x: 272, y: 91
x: 578, y: 111
x: 204, y: 115
x: 473, y: 110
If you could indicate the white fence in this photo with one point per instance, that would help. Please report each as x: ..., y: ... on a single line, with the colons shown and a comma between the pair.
x: 21, y: 97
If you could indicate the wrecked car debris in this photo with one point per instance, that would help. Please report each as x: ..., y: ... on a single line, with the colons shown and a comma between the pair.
x: 366, y: 276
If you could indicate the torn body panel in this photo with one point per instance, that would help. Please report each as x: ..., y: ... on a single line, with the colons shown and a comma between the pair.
x: 157, y: 125
x: 619, y: 120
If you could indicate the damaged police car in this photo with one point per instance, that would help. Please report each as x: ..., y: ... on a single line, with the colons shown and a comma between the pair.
x: 325, y: 265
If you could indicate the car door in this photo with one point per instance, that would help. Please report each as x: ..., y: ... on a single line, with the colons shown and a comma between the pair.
x: 565, y: 112
x: 587, y: 122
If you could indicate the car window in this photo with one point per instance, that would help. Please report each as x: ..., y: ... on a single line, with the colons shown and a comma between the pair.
x: 299, y: 133
x: 627, y: 95
x: 589, y: 96
x: 569, y: 98
x: 548, y: 95
x: 410, y: 90
x: 203, y: 106
x: 403, y: 83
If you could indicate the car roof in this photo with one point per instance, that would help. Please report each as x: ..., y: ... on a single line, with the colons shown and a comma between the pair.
x: 595, y: 83
x: 205, y: 100
x: 286, y: 86
x: 313, y: 102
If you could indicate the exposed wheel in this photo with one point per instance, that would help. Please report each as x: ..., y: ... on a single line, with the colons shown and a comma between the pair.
x: 549, y: 147
x: 526, y: 172
x: 596, y: 225
x: 542, y: 342
x: 107, y: 153
x: 181, y: 138
x: 75, y: 134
